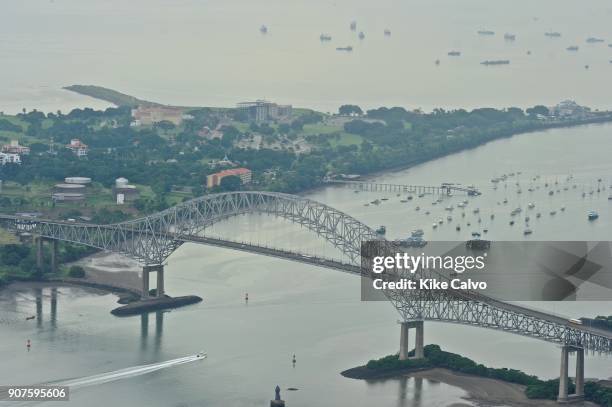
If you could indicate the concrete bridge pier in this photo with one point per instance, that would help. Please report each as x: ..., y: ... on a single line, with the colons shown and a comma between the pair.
x: 580, y: 373
x: 145, y: 283
x: 404, y: 328
x: 419, y: 352
x: 419, y: 339
x: 159, y: 269
x: 160, y: 281
x: 564, y: 397
x: 39, y: 252
x: 54, y: 253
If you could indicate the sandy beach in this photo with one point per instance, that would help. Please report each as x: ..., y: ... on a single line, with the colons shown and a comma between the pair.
x: 487, y: 392
x: 111, y: 269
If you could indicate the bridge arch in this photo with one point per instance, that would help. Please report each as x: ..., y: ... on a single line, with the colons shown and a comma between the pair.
x: 152, y: 239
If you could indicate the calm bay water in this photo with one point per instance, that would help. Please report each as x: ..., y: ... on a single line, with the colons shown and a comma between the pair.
x: 314, y: 313
x: 211, y: 53
x: 193, y: 52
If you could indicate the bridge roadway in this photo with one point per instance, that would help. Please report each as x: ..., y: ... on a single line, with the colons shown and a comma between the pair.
x: 276, y: 253
x: 153, y: 238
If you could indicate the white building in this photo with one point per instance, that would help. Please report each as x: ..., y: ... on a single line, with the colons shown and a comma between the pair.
x: 124, y: 192
x: 77, y: 147
x: 262, y: 110
x: 9, y: 158
x: 569, y: 108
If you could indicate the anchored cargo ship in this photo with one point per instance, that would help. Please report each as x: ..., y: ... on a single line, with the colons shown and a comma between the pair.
x: 496, y: 62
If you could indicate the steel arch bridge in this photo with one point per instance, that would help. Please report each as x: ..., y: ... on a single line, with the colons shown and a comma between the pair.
x: 153, y: 238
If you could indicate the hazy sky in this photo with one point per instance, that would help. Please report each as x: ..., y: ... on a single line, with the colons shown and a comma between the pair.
x: 212, y: 53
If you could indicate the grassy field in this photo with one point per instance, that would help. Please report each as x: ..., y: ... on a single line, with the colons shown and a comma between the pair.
x: 24, y: 139
x: 7, y: 238
x: 319, y: 128
x: 5, y: 135
x: 344, y: 139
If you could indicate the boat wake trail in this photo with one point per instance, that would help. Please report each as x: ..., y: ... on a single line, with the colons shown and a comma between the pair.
x: 127, y: 372
x: 101, y: 378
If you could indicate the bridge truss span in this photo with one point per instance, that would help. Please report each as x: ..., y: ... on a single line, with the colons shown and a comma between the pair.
x: 152, y: 239
x: 468, y: 308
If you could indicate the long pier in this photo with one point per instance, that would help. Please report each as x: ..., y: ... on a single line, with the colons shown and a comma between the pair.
x: 444, y: 189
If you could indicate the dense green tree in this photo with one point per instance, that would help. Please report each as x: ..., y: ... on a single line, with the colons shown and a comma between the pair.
x: 538, y: 110
x: 230, y: 183
x: 350, y: 110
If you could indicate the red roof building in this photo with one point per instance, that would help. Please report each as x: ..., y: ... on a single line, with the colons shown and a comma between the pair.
x: 214, y: 180
x: 77, y: 147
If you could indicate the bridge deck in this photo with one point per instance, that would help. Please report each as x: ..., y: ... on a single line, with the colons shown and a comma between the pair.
x: 274, y: 252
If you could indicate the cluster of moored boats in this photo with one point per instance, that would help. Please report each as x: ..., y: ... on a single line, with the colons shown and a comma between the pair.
x: 552, y: 188
x: 517, y: 215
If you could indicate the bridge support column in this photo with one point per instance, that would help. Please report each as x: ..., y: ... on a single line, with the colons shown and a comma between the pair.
x: 403, y: 353
x: 54, y: 252
x: 160, y: 281
x: 145, y: 283
x: 39, y: 252
x: 564, y: 397
x: 580, y: 373
x: 419, y: 352
x: 563, y: 377
x: 159, y: 269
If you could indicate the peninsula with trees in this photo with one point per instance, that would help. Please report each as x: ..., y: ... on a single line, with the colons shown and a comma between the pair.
x: 141, y: 157
x: 464, y: 372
